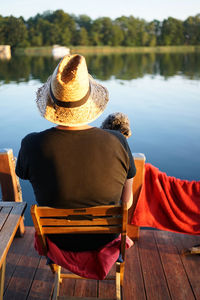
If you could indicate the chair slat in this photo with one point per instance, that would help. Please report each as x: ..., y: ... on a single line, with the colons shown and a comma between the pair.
x: 76, y: 230
x: 94, y: 222
x: 95, y: 211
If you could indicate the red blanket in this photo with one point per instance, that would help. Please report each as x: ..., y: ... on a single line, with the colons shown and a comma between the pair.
x: 168, y: 203
x: 88, y: 264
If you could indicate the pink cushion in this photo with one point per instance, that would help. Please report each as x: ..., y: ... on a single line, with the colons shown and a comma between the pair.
x: 89, y: 264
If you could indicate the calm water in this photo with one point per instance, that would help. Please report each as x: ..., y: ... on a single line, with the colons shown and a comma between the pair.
x: 160, y: 94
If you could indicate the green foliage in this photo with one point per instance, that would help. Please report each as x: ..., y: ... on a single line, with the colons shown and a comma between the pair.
x: 61, y: 28
x: 192, y: 30
x: 82, y: 38
x: 13, y: 31
x: 172, y: 32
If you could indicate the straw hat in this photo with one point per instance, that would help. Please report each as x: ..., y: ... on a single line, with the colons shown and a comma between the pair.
x: 71, y: 97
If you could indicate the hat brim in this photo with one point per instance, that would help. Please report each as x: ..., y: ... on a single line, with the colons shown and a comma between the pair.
x: 84, y: 114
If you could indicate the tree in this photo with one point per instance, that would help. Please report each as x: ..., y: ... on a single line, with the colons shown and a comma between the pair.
x: 84, y: 21
x: 151, y: 30
x: 172, y: 32
x: 82, y: 37
x: 133, y: 30
x: 61, y: 28
x: 157, y: 30
x: 117, y: 35
x: 15, y: 32
x: 96, y: 33
x: 192, y: 30
x: 48, y: 31
x: 127, y: 29
x: 2, y: 30
x: 65, y: 27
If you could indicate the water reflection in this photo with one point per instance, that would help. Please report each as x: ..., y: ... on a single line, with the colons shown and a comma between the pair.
x: 103, y: 67
x: 164, y: 114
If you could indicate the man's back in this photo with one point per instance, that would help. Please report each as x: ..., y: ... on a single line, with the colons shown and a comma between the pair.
x: 72, y: 169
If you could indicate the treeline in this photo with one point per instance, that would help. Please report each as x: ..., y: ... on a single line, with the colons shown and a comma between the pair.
x: 62, y: 28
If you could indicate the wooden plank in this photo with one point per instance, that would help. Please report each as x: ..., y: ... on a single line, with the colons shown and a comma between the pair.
x: 42, y: 285
x: 191, y: 263
x: 175, y: 274
x: 12, y: 203
x: 43, y: 282
x: 107, y: 287
x: 4, y: 213
x: 23, y: 276
x: 18, y: 248
x: 77, y: 230
x: 133, y: 287
x: 85, y: 288
x: 67, y: 287
x: 102, y: 210
x: 8, y: 231
x: 63, y: 222
x: 71, y: 275
x: 153, y: 274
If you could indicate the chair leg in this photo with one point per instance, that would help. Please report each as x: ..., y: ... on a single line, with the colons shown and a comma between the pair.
x: 56, y: 284
x: 118, y: 286
x: 193, y: 250
x: 2, y: 279
x: 122, y: 273
x: 54, y: 268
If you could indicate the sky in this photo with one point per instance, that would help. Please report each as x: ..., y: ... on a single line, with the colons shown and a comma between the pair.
x: 146, y: 9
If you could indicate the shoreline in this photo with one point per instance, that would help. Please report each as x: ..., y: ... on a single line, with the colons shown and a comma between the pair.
x: 47, y: 51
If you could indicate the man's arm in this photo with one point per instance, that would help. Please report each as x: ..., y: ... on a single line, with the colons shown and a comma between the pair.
x: 127, y: 193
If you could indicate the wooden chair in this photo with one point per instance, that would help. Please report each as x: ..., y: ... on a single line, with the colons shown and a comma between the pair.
x: 101, y: 219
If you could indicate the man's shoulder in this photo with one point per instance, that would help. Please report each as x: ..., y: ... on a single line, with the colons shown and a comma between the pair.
x: 35, y: 136
x: 108, y: 135
x: 116, y: 134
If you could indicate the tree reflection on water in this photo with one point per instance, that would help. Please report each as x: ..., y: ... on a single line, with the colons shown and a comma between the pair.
x: 103, y: 67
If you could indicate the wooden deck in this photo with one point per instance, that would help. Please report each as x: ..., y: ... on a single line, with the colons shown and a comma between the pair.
x: 154, y: 270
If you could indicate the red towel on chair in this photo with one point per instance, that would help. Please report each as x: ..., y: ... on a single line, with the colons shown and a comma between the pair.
x: 168, y: 203
x: 89, y: 264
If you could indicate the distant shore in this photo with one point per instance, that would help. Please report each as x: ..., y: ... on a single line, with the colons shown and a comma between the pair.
x: 158, y: 49
x: 45, y: 51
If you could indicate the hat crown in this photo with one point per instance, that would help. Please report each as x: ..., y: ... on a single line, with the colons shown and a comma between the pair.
x: 70, y: 80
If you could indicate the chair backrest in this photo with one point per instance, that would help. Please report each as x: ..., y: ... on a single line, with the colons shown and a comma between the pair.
x: 10, y: 187
x: 98, y: 219
x: 9, y: 182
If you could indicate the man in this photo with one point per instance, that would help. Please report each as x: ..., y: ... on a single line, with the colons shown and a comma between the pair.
x: 74, y: 164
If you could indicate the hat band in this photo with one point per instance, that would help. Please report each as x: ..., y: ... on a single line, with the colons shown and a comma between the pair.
x: 70, y: 104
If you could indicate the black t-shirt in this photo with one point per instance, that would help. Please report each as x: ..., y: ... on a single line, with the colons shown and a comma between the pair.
x: 76, y: 168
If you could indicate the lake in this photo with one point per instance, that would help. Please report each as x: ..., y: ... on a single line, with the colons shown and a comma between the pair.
x: 159, y: 92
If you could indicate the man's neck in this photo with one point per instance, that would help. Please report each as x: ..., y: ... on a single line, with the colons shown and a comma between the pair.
x: 83, y: 127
